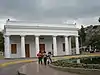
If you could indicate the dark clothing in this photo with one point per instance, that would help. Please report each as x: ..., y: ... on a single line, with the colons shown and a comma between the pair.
x: 40, y: 60
x: 45, y: 60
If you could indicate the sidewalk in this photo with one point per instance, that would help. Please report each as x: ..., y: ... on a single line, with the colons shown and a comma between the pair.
x: 36, y: 69
x: 3, y: 61
x: 6, y: 62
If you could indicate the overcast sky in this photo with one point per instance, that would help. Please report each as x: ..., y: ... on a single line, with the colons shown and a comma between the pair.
x: 50, y: 11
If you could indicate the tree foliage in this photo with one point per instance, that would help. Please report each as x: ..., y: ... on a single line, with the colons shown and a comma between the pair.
x: 1, y: 42
x: 92, y: 36
x: 82, y: 35
x: 99, y: 19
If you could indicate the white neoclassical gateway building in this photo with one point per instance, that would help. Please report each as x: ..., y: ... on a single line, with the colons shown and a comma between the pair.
x: 23, y: 39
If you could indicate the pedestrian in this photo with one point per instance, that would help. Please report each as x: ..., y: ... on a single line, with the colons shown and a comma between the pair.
x: 45, y: 58
x: 49, y: 60
x: 40, y: 57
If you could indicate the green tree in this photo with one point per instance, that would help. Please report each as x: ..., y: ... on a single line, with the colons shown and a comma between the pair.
x: 1, y: 42
x: 82, y: 35
x: 73, y: 42
x: 99, y: 19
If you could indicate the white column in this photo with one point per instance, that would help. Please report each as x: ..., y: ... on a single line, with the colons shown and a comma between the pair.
x: 7, y: 46
x: 77, y: 45
x: 54, y: 45
x: 66, y: 46
x: 37, y: 44
x: 23, y: 46
x: 70, y: 48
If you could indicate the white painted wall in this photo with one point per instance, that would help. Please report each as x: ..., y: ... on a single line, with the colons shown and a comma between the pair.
x: 16, y: 40
x: 31, y: 41
x: 14, y: 28
x: 60, y: 42
x: 48, y: 43
x: 39, y: 31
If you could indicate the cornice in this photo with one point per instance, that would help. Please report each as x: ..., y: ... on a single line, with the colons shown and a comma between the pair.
x: 40, y: 27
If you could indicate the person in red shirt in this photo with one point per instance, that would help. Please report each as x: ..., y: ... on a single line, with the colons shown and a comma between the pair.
x: 40, y: 56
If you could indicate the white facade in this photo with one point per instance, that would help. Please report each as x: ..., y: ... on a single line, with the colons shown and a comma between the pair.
x: 51, y: 35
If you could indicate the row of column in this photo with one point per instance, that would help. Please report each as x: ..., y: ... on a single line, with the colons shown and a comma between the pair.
x: 7, y: 51
x: 67, y: 46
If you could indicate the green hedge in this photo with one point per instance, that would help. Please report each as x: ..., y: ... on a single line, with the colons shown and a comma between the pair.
x: 67, y: 63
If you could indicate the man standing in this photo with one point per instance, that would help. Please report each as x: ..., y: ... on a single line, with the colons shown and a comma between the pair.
x: 45, y: 58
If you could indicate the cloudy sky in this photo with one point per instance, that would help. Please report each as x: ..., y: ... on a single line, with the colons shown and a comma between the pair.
x: 50, y: 11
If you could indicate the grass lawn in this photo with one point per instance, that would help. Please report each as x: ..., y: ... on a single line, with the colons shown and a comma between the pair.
x: 76, y: 56
x: 1, y: 56
x: 85, y: 53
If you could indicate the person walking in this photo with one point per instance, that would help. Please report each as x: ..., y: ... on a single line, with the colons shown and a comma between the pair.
x: 40, y: 56
x: 45, y: 58
x: 49, y: 60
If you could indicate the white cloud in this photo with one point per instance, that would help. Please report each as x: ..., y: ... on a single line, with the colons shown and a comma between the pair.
x: 51, y: 11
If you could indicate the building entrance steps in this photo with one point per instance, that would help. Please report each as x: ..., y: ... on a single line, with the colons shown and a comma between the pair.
x: 35, y: 69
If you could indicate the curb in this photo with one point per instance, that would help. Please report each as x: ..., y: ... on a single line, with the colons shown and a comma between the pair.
x: 15, y: 62
x: 77, y: 70
x: 20, y: 71
x: 54, y: 58
x: 76, y: 56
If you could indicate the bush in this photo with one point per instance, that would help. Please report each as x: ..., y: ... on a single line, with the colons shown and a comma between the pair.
x: 67, y: 63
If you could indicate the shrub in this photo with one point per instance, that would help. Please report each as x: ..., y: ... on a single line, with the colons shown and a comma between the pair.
x: 67, y: 63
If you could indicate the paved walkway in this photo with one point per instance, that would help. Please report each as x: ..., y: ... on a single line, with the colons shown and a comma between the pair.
x: 36, y: 69
x: 33, y: 68
x: 10, y: 69
x: 10, y: 66
x: 4, y: 60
